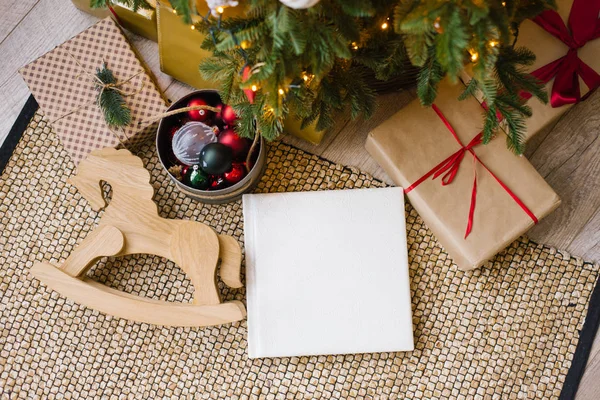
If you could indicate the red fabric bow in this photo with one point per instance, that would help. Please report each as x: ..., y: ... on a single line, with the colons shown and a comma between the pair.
x: 584, y: 26
x: 449, y: 168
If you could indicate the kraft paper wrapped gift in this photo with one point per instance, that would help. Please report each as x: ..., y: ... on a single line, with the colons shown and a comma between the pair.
x: 578, y: 21
x: 415, y: 140
x: 62, y: 81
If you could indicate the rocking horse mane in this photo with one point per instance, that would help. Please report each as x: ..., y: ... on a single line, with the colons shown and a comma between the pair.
x: 121, y: 169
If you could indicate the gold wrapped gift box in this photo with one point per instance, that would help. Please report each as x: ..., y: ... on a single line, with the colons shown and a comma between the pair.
x: 141, y: 22
x: 84, y: 5
x: 179, y: 48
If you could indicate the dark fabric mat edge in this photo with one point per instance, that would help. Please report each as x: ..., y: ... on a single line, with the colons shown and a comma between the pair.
x: 17, y: 130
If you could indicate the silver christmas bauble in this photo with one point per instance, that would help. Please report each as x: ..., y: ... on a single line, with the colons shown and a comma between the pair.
x: 189, y: 141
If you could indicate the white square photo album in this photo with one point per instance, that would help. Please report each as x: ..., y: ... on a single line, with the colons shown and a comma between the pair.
x: 327, y: 273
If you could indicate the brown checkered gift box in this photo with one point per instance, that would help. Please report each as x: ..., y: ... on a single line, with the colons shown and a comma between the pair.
x: 62, y: 83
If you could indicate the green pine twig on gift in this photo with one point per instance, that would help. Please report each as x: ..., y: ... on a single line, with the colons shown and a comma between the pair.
x: 111, y: 99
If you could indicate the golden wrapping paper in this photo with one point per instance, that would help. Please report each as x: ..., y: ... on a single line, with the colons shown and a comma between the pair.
x: 84, y: 5
x: 179, y: 48
x: 415, y: 139
x: 547, y: 49
x: 141, y: 22
x: 310, y: 133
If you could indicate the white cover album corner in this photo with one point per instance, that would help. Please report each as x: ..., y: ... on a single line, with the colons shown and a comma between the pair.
x: 327, y: 273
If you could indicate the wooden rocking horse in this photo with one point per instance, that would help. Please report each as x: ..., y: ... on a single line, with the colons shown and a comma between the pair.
x: 131, y: 225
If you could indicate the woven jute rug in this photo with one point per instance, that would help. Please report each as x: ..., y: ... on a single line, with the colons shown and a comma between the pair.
x: 515, y: 328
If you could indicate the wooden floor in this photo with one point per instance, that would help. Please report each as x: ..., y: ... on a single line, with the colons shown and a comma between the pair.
x: 567, y: 154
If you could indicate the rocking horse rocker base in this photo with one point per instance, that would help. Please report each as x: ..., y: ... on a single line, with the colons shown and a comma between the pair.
x: 131, y: 225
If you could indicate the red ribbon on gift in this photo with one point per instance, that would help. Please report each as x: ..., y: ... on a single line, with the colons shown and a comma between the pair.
x: 584, y: 26
x: 449, y: 168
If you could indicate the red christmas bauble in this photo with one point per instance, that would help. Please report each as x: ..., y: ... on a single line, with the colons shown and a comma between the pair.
x: 237, y: 173
x: 228, y: 115
x: 217, y: 182
x: 240, y: 146
x: 198, y: 115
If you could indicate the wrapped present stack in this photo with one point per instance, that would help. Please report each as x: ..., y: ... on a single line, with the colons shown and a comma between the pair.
x: 566, y: 43
x: 64, y: 83
x: 475, y: 198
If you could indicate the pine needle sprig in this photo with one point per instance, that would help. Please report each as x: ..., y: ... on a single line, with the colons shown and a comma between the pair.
x: 111, y: 99
x: 430, y: 75
x: 183, y: 8
x: 470, y: 90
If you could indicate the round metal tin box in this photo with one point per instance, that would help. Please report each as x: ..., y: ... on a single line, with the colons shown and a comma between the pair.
x: 163, y: 147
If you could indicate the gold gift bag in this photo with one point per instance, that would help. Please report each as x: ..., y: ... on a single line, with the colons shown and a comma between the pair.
x: 141, y: 22
x: 179, y: 48
x: 84, y: 5
x: 310, y: 133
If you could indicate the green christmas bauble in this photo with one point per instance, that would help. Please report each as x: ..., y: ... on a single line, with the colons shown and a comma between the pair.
x: 196, y: 178
x: 216, y: 158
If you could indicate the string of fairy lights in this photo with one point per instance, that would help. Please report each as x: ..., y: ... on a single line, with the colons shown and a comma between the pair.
x: 492, y: 43
x: 306, y: 77
x: 216, y: 27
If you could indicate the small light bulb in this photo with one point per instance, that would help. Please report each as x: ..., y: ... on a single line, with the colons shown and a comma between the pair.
x: 354, y: 46
x: 175, y: 12
x: 244, y: 44
x: 281, y: 91
x: 474, y: 56
x: 192, y: 27
x: 503, y: 4
x: 305, y: 77
x: 437, y: 25
x: 384, y: 25
x: 254, y: 88
x: 220, y: 10
x: 271, y: 109
x: 493, y: 43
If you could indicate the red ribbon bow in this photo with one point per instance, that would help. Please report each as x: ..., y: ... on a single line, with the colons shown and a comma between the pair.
x: 584, y: 26
x: 449, y: 168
